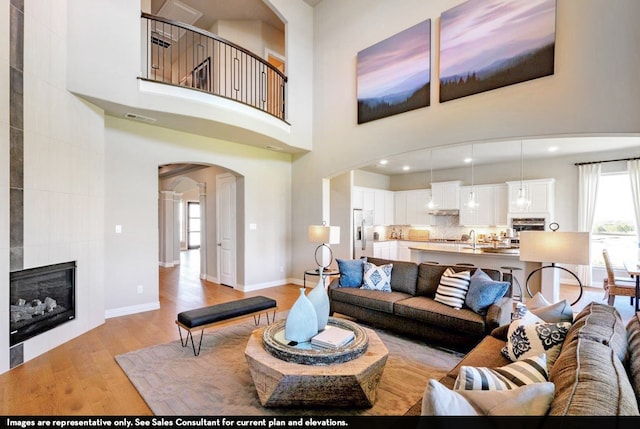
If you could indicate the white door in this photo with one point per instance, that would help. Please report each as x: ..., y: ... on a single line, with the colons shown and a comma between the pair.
x: 226, y: 231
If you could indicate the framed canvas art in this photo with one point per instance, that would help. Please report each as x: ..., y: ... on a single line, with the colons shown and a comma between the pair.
x: 488, y: 44
x: 393, y: 76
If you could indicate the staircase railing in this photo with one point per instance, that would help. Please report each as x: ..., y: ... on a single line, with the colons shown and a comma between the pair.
x: 180, y: 54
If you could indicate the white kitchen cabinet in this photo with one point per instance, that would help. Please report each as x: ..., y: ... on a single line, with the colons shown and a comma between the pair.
x: 540, y: 192
x: 404, y: 253
x: 389, y: 208
x: 446, y: 195
x: 400, y: 206
x: 385, y: 249
x: 369, y: 197
x: 416, y: 207
x: 378, y: 201
x: 491, y: 208
x: 410, y: 207
x: 500, y: 204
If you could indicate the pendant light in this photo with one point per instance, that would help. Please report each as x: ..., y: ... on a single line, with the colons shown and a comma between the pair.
x: 431, y: 204
x: 521, y: 201
x: 471, y: 202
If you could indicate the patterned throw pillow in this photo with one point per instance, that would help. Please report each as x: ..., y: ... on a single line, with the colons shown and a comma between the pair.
x: 526, y: 340
x: 453, y: 288
x: 526, y: 371
x: 377, y: 278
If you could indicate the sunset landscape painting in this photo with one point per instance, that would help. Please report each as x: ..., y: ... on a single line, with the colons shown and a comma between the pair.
x: 394, y: 74
x: 488, y: 44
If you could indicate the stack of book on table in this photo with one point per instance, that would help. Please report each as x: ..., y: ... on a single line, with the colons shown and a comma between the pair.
x: 333, y: 337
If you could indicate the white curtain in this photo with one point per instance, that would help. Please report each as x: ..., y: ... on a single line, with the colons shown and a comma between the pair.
x: 633, y: 167
x: 588, y: 177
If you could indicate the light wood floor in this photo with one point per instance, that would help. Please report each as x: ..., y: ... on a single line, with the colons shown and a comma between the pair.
x: 81, y: 377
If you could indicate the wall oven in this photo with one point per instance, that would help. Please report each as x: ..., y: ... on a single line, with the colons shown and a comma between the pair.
x: 526, y: 224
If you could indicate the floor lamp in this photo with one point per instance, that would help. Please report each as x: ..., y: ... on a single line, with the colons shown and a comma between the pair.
x: 555, y: 247
x: 323, y: 234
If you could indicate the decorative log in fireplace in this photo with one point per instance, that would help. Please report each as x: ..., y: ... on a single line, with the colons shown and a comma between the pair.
x: 41, y: 298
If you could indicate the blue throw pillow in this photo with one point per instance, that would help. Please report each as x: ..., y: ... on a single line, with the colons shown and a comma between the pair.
x: 484, y: 291
x: 351, y: 271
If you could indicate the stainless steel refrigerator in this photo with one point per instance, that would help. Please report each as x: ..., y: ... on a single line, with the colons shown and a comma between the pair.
x: 362, y: 233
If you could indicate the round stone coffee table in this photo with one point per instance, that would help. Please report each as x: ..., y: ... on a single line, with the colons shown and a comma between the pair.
x: 281, y: 383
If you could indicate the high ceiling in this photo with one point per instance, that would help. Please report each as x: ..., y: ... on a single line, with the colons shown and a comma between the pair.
x: 214, y: 10
x: 496, y: 152
x: 206, y: 12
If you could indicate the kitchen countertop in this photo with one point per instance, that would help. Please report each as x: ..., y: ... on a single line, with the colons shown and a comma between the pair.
x: 467, y: 250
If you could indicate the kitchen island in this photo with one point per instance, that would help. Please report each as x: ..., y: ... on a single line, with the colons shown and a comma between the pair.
x: 483, y: 257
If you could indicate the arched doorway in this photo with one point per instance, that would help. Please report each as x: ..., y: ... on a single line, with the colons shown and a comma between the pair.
x: 189, y: 218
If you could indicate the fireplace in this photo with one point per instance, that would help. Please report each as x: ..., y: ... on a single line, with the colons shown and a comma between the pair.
x: 41, y: 298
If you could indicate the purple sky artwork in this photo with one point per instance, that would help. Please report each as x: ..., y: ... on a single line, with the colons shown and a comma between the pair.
x: 395, y: 64
x: 485, y: 36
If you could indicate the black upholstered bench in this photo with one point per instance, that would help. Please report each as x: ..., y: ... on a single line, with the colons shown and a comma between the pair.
x: 205, y: 317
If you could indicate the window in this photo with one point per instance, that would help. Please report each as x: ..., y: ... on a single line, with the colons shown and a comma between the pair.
x: 614, y: 226
x: 193, y: 225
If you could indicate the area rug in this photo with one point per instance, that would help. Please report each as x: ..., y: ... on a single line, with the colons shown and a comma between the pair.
x: 173, y: 381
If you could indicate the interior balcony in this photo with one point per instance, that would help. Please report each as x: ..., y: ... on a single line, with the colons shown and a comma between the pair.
x: 178, y: 76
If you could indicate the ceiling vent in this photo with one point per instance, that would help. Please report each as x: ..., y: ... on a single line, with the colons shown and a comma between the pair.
x: 139, y: 118
x: 176, y: 11
x: 158, y: 41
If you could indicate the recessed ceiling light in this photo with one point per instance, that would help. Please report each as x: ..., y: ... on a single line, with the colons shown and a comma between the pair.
x: 406, y: 168
x: 383, y: 162
x: 467, y: 160
x: 553, y: 148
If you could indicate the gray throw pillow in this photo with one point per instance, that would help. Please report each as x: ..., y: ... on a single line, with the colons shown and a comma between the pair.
x: 483, y: 292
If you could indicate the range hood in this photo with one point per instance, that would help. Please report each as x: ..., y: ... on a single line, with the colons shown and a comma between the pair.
x: 444, y: 212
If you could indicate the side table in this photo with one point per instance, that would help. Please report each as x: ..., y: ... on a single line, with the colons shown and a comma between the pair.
x: 316, y: 272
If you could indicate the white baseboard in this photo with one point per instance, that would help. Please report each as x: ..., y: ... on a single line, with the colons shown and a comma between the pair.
x: 210, y: 279
x: 124, y: 311
x: 266, y: 285
x: 166, y: 264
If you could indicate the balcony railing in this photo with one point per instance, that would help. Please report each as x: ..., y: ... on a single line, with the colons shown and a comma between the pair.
x: 182, y: 55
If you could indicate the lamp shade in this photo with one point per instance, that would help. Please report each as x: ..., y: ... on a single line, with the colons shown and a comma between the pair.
x: 324, y: 234
x: 560, y: 247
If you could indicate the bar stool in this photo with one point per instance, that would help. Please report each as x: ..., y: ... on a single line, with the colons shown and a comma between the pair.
x: 514, y: 279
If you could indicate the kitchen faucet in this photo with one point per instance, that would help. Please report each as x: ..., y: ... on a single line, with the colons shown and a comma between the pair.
x: 473, y: 233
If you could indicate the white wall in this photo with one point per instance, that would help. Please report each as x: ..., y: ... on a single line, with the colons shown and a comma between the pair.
x: 256, y: 36
x: 593, y: 91
x: 63, y: 175
x: 133, y: 153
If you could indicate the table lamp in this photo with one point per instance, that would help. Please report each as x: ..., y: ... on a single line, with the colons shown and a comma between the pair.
x: 555, y: 247
x: 324, y: 234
